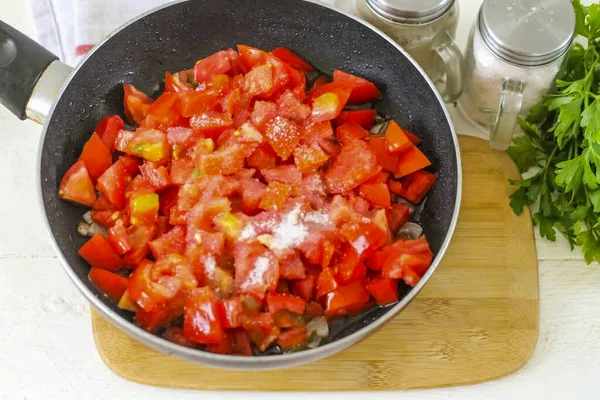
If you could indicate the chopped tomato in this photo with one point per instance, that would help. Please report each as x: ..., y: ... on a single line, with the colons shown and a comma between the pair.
x: 76, y: 185
x: 292, y: 59
x: 346, y: 298
x: 389, y: 162
x: 281, y: 302
x: 256, y: 268
x: 156, y: 175
x: 240, y: 344
x: 137, y: 104
x: 170, y: 242
x: 118, y: 238
x: 411, y: 161
x: 182, y: 171
x: 408, y: 260
x: 195, y: 103
x: 200, y: 320
x: 414, y: 187
x: 305, y: 288
x: 364, y: 118
x: 99, y: 253
x: 349, y: 266
x: 396, y: 140
x: 225, y: 161
x: 377, y: 194
x: 149, y: 144
x: 354, y: 165
x: 399, y: 215
x: 108, y: 129
x: 414, y: 139
x: 218, y: 63
x: 230, y: 312
x: 328, y: 105
x: 283, y: 173
x: 109, y: 283
x: 261, y: 330
x: 326, y: 282
x: 139, y: 235
x: 275, y: 195
x: 350, y: 130
x: 259, y: 80
x: 96, y: 156
x: 383, y: 290
x: 251, y: 56
x: 292, y: 338
x: 289, y: 106
x: 363, y: 91
x: 283, y: 135
x: 163, y: 112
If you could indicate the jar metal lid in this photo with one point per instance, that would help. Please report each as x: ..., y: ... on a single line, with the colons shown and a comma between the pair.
x: 527, y: 32
x: 410, y: 11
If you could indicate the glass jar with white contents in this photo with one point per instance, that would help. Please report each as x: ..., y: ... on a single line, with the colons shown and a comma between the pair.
x: 516, y: 49
x: 425, y: 29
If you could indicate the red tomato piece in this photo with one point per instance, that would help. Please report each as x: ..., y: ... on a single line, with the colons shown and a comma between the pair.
x: 149, y: 144
x: 240, y: 344
x: 261, y: 330
x: 76, y: 185
x: 210, y: 123
x: 168, y: 243
x: 175, y: 335
x: 411, y: 161
x: 224, y: 161
x: 218, y: 63
x: 396, y: 140
x: 283, y: 135
x: 328, y: 105
x: 377, y: 194
x: 346, y: 298
x: 319, y: 130
x: 387, y: 161
x: 256, y: 268
x: 326, y: 282
x: 137, y: 104
x: 182, y: 170
x: 263, y: 157
x: 252, y: 191
x: 139, y: 235
x: 180, y: 137
x: 260, y: 80
x: 108, y: 129
x: 292, y: 267
x: 118, y: 238
x: 285, y: 302
x: 292, y: 59
x: 408, y: 260
x: 229, y: 312
x: 99, y: 253
x: 275, y: 195
x: 399, y: 215
x: 292, y: 338
x: 289, y: 106
x: 383, y: 290
x: 309, y: 158
x: 159, y: 317
x: 196, y: 103
x: 109, y: 283
x: 305, y: 288
x: 314, y: 309
x: 349, y: 266
x: 364, y: 118
x: 263, y: 112
x: 200, y: 320
x: 414, y: 139
x: 156, y: 175
x: 283, y: 173
x: 363, y: 91
x: 163, y: 112
x: 355, y: 164
x: 414, y: 187
x: 350, y: 130
x: 178, y: 82
x: 251, y: 56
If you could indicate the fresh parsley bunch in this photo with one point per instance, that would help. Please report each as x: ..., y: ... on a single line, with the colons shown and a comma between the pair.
x: 562, y: 143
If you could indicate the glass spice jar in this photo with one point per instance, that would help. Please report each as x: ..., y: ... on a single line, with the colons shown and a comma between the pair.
x: 515, y: 50
x: 425, y: 29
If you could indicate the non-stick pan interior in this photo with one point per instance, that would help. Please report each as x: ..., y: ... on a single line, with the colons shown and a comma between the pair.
x: 173, y: 38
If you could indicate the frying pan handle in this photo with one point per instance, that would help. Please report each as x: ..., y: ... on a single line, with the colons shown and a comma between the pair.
x: 30, y: 75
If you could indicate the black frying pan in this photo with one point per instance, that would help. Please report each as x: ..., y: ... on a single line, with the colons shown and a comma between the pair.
x: 172, y: 38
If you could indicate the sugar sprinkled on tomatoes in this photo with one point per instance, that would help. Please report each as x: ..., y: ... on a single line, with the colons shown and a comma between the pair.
x: 247, y: 207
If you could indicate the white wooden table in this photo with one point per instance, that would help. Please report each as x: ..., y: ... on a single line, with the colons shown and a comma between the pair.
x: 46, y: 346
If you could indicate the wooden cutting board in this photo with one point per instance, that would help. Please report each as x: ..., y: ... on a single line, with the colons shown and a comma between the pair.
x: 476, y: 319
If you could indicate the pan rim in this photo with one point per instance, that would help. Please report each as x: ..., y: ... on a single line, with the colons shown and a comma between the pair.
x: 269, y: 362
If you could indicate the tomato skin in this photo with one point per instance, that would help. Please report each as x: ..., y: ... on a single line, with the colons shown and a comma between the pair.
x: 96, y: 156
x: 163, y: 112
x: 355, y: 164
x: 240, y: 344
x: 159, y: 317
x: 346, y: 298
x: 292, y: 338
x: 251, y: 56
x: 389, y: 162
x: 349, y: 267
x: 408, y: 260
x: 326, y: 282
x: 414, y: 187
x: 283, y: 135
x: 383, y: 290
x: 136, y: 103
x: 411, y: 161
x: 229, y: 312
x: 118, y: 238
x: 285, y: 302
x: 396, y: 140
x: 292, y: 59
x: 109, y: 283
x: 76, y: 185
x: 363, y: 118
x: 377, y: 194
x: 108, y: 129
x: 363, y: 91
x: 350, y: 130
x: 200, y: 319
x: 99, y: 253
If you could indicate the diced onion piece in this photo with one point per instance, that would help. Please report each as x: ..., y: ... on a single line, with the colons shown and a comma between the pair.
x: 318, y: 326
x: 87, y: 217
x: 411, y: 230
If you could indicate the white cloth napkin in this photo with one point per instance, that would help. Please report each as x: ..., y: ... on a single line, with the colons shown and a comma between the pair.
x: 70, y: 28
